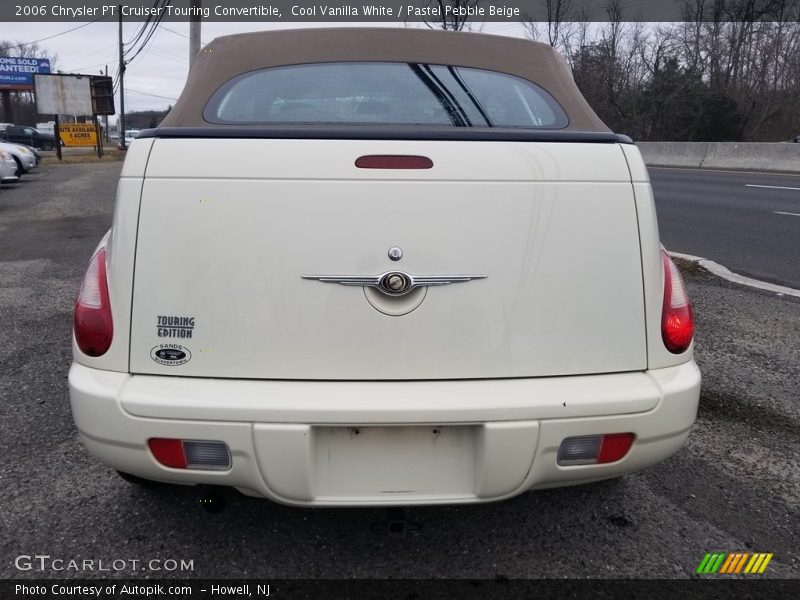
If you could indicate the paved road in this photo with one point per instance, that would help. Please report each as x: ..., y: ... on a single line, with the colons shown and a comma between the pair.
x: 721, y: 216
x: 736, y: 486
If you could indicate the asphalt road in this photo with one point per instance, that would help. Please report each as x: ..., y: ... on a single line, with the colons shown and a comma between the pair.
x: 735, y: 486
x: 747, y: 222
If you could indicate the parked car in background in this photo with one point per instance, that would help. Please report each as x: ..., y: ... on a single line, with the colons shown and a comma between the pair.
x: 30, y: 137
x: 421, y: 270
x: 8, y: 167
x: 22, y: 155
x: 131, y: 135
x: 36, y: 154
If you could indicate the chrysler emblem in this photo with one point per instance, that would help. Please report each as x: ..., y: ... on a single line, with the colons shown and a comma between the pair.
x: 394, y: 283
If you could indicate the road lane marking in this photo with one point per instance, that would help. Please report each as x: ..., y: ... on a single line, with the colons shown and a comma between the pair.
x: 772, y: 187
x: 727, y: 171
x: 780, y: 212
x: 720, y: 271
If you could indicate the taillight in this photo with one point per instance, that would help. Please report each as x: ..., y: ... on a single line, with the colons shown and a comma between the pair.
x: 191, y: 454
x: 594, y: 449
x: 94, y: 328
x: 677, y: 321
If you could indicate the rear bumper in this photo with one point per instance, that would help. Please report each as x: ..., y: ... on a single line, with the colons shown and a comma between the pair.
x: 384, y: 443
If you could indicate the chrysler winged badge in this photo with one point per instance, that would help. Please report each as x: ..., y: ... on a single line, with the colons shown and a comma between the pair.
x: 394, y: 283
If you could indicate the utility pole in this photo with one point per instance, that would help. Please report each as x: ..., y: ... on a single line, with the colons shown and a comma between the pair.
x: 121, y: 120
x: 194, y: 30
x: 105, y: 117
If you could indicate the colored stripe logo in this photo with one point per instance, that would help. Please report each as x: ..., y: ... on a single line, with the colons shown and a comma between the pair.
x: 734, y: 563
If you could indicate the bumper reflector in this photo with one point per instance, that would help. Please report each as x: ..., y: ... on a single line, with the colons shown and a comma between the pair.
x: 191, y: 454
x: 594, y: 449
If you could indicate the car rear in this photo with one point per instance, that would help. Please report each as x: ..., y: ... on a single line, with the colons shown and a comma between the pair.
x: 240, y: 325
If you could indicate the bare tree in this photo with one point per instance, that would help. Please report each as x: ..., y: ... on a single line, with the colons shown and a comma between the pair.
x: 729, y: 71
x: 564, y: 27
x: 454, y: 15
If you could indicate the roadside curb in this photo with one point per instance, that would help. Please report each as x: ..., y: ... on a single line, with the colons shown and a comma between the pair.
x: 725, y: 273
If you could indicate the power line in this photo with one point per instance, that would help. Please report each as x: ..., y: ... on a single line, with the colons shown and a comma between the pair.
x: 81, y: 57
x: 173, y: 31
x: 50, y: 37
x: 78, y: 70
x: 127, y: 89
x: 138, y: 35
x: 177, y: 60
x: 183, y: 35
x: 151, y: 31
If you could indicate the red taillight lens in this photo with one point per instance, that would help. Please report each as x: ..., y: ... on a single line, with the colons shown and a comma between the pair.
x: 209, y: 455
x: 168, y: 452
x: 93, y: 326
x: 594, y: 449
x: 677, y: 321
x: 614, y: 446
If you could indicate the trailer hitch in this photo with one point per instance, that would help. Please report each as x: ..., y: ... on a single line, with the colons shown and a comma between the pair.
x: 396, y: 525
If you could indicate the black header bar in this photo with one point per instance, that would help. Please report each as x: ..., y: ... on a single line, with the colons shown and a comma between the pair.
x: 397, y: 11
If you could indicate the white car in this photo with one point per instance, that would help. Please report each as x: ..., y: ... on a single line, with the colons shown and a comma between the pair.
x: 131, y: 135
x: 420, y: 270
x: 8, y: 167
x: 23, y: 156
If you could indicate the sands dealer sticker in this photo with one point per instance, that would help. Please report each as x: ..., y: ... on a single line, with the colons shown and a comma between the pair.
x: 170, y: 355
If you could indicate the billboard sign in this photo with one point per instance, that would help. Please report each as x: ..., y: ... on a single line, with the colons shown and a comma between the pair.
x: 102, y: 95
x: 78, y: 134
x: 17, y: 73
x: 63, y: 94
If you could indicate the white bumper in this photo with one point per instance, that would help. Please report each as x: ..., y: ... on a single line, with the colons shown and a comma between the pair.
x: 384, y: 443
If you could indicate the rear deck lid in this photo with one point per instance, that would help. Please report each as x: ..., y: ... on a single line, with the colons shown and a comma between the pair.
x: 237, y: 236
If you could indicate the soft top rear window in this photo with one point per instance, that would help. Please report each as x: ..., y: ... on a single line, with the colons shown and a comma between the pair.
x: 381, y: 93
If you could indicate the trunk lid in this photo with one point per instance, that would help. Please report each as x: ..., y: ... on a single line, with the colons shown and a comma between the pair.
x: 228, y: 227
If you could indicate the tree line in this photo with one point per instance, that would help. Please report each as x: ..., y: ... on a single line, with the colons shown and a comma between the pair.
x: 730, y: 71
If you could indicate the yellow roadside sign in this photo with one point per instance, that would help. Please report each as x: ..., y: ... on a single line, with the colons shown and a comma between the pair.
x: 78, y: 134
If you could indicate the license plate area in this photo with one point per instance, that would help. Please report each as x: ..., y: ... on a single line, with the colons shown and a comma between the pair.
x: 394, y: 462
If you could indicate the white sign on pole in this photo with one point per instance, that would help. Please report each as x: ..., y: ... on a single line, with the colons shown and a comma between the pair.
x: 63, y: 94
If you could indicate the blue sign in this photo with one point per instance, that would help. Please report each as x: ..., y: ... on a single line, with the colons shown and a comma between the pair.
x: 17, y: 73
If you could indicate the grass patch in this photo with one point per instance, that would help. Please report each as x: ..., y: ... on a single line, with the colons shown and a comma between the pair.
x: 89, y: 157
x: 688, y: 266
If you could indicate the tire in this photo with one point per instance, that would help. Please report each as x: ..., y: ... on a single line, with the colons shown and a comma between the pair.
x: 19, y: 170
x: 47, y: 145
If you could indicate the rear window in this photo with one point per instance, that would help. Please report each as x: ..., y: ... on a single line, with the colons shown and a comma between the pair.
x: 384, y: 94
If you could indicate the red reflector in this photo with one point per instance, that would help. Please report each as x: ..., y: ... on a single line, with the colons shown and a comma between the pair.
x: 393, y: 161
x: 614, y: 446
x: 168, y: 452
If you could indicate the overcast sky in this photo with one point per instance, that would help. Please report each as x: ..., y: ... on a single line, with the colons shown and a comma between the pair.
x: 156, y: 77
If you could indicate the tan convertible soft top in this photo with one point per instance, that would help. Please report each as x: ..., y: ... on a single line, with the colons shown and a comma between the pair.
x: 229, y: 56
